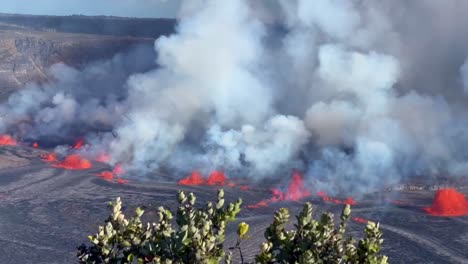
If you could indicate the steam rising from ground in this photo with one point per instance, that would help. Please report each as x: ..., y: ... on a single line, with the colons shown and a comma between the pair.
x: 351, y: 92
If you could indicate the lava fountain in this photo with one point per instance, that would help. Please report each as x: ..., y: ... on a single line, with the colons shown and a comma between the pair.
x: 294, y: 192
x: 448, y: 202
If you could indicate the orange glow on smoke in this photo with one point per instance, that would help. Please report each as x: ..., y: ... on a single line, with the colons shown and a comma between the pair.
x: 78, y: 143
x: 193, y: 179
x: 48, y: 157
x: 103, y: 158
x: 6, y: 140
x: 216, y: 178
x: 118, y: 169
x: 295, y: 192
x: 448, y: 202
x: 35, y: 145
x: 74, y: 162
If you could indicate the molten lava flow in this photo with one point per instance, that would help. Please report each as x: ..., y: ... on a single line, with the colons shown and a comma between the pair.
x: 6, y: 140
x: 74, y: 162
x: 118, y: 169
x: 359, y: 220
x: 349, y: 201
x: 193, y: 179
x: 295, y: 191
x: 78, y: 143
x: 103, y: 158
x: 121, y: 181
x: 35, y: 145
x: 106, y: 175
x: 448, y: 202
x: 48, y: 157
x: 216, y: 178
x: 326, y: 198
x: 244, y: 188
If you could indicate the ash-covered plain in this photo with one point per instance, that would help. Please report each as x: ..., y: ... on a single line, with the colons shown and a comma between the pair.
x: 46, y: 212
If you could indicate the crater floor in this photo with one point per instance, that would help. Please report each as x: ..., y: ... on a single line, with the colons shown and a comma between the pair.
x: 45, y: 213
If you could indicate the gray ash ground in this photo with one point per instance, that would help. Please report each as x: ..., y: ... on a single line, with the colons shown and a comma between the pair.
x: 45, y: 213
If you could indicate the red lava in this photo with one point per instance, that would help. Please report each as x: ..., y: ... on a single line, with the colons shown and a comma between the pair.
x: 326, y: 198
x: 359, y: 220
x: 35, y: 145
x: 118, y: 169
x: 244, y: 188
x: 74, y: 162
x: 448, y: 202
x: 6, y: 140
x: 193, y: 179
x: 295, y: 192
x: 121, y: 181
x: 78, y: 143
x: 216, y: 178
x: 106, y: 175
x: 48, y: 157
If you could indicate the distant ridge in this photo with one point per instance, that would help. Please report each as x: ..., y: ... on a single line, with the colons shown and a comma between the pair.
x: 96, y: 25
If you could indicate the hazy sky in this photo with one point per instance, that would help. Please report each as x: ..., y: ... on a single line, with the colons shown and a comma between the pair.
x: 130, y: 8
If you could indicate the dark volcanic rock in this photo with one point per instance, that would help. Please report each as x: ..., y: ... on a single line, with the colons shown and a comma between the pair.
x: 30, y: 44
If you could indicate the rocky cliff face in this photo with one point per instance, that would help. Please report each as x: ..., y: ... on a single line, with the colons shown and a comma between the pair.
x: 27, y: 52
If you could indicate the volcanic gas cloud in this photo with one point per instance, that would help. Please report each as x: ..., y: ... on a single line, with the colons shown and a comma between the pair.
x: 448, y: 202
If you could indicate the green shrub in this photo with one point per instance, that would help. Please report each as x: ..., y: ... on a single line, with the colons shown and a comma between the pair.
x: 321, y: 241
x: 200, y: 233
x: 198, y: 238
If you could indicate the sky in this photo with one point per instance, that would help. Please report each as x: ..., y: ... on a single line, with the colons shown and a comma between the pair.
x: 127, y: 8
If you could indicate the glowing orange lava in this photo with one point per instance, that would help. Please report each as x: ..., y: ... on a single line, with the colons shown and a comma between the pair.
x: 326, y: 198
x: 78, y: 143
x: 295, y: 192
x: 35, y: 145
x: 6, y: 140
x: 118, y: 169
x: 73, y: 162
x: 448, y: 202
x: 216, y: 178
x: 106, y: 175
x: 121, y: 181
x: 48, y: 157
x: 359, y: 220
x: 193, y: 179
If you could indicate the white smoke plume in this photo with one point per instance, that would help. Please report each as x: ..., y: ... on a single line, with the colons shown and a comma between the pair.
x: 350, y: 92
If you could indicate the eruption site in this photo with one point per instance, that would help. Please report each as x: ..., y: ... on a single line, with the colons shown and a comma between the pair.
x: 6, y: 140
x: 73, y: 162
x: 448, y: 202
x: 214, y: 178
x: 347, y: 92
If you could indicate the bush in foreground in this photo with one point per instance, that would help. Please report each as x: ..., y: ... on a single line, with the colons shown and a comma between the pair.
x: 200, y: 233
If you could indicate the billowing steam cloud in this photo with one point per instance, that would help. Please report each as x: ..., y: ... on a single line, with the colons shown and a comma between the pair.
x: 354, y: 93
